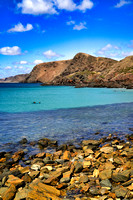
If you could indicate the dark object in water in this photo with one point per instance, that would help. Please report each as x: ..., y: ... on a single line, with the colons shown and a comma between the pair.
x: 36, y: 103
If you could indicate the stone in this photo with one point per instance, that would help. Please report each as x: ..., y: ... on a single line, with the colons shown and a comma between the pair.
x: 86, y: 164
x: 78, y: 167
x: 36, y: 167
x: 66, y: 155
x: 90, y: 142
x: 23, y: 141
x: 54, y: 176
x: 103, y: 191
x: 3, y: 190
x: 118, y: 161
x: 41, y: 155
x: 96, y: 173
x: 43, y: 142
x: 21, y: 194
x: 18, y: 155
x: 130, y: 187
x: 109, y: 165
x: 94, y: 190
x: 24, y: 170
x: 9, y: 194
x: 84, y: 179
x: 107, y: 149
x: 40, y: 191
x: 14, y: 180
x: 34, y: 174
x: 61, y: 186
x: 127, y: 183
x: 105, y: 174
x: 66, y: 177
x: 121, y: 176
x: 121, y: 192
x: 26, y: 178
x: 105, y: 183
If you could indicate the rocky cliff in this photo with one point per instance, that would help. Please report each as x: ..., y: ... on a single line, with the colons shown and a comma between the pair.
x: 83, y: 70
x: 14, y: 79
x: 90, y: 71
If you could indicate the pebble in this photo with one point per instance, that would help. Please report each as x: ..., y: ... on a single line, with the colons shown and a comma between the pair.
x: 97, y: 169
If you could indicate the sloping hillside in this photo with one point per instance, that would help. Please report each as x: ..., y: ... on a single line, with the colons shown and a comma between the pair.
x: 46, y: 72
x: 83, y: 70
x: 14, y: 79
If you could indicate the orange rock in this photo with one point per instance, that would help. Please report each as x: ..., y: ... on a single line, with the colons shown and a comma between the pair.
x: 61, y: 186
x: 2, y: 160
x: 17, y: 156
x: 112, y: 195
x: 58, y: 153
x: 24, y: 170
x: 14, y: 180
x: 66, y: 155
x: 10, y: 193
x: 53, y: 178
x: 86, y: 164
x: 42, y: 191
x: 41, y: 155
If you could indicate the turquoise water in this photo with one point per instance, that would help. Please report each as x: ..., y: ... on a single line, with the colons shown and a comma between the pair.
x: 65, y: 113
x: 20, y: 97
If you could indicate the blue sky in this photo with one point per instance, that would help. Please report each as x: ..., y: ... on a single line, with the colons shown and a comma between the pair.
x: 35, y: 31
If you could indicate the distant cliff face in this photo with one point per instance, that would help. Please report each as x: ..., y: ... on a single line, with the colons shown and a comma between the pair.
x: 14, y: 79
x: 47, y: 72
x: 84, y: 70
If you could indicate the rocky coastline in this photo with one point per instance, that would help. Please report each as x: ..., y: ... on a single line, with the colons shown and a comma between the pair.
x: 83, y: 70
x: 94, y: 169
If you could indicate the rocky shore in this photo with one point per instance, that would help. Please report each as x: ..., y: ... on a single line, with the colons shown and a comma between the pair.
x: 95, y: 169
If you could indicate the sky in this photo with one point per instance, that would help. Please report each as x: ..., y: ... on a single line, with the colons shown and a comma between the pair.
x: 36, y: 31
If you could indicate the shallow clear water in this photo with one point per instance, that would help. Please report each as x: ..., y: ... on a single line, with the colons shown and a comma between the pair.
x: 65, y: 113
x: 20, y: 97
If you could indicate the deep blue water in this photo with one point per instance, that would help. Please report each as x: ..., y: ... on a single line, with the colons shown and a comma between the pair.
x: 65, y: 113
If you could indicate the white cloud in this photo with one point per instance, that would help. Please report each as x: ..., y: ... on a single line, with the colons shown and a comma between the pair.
x: 86, y: 4
x: 36, y: 62
x: 125, y: 54
x: 10, y: 51
x: 122, y: 3
x: 70, y: 22
x: 20, y: 67
x: 107, y: 47
x: 8, y: 67
x: 80, y: 26
x: 36, y: 7
x: 111, y: 51
x: 65, y: 4
x: 23, y: 62
x: 20, y: 28
x: 50, y: 54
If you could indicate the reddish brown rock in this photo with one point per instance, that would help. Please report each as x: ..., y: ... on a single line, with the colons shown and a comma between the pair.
x: 10, y: 193
x: 17, y: 156
x: 40, y: 191
x: 66, y: 155
x: 13, y: 180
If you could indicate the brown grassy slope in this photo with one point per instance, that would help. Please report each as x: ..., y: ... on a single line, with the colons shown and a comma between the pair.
x: 46, y: 72
x: 85, y: 70
x: 14, y: 79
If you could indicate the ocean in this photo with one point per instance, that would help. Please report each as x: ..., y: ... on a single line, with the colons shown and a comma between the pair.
x: 65, y: 113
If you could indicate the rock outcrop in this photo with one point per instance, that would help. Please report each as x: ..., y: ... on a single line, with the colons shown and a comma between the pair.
x: 47, y: 72
x: 14, y: 79
x: 83, y: 70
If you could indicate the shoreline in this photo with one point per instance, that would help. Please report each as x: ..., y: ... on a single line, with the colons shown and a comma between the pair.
x: 99, y: 169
